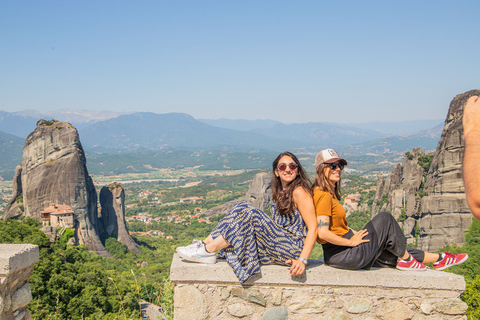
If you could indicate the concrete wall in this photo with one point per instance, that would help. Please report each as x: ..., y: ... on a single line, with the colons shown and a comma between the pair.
x: 212, y: 291
x: 16, y: 265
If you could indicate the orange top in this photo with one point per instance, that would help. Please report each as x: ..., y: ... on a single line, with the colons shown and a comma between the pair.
x: 327, y: 205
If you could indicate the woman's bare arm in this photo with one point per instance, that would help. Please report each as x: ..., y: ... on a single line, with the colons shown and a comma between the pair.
x: 471, y: 158
x: 304, y: 202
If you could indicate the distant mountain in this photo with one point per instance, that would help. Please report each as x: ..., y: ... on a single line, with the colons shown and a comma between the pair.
x: 241, y: 125
x: 172, y: 130
x: 17, y: 124
x: 397, y: 128
x: 81, y: 116
x: 319, y: 134
x: 426, y: 140
x: 10, y: 154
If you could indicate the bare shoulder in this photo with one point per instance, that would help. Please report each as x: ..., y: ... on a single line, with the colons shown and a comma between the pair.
x: 301, y: 192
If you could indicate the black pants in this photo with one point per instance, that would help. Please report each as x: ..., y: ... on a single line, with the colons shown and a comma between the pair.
x: 386, y: 244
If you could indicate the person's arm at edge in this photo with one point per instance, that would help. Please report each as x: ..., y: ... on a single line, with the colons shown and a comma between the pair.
x: 304, y: 203
x: 471, y: 158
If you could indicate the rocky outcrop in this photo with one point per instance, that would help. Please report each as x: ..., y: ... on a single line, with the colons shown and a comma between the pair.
x: 16, y: 265
x: 112, y: 201
x: 429, y: 200
x: 445, y: 215
x: 401, y: 191
x: 53, y: 170
x: 258, y: 195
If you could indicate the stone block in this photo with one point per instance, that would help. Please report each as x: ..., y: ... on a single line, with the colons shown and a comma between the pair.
x: 21, y: 297
x: 14, y: 257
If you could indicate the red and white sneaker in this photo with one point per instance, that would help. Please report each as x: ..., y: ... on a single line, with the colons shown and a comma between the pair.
x: 413, y: 265
x: 450, y: 260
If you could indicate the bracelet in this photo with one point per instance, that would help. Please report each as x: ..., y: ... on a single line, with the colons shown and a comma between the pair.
x: 305, y: 261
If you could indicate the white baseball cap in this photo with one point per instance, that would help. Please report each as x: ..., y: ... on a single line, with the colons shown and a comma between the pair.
x: 328, y: 156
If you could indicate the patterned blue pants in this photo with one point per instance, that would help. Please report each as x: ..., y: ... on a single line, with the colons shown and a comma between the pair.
x: 255, y: 238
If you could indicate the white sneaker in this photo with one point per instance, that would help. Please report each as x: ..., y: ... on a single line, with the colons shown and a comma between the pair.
x: 196, y: 253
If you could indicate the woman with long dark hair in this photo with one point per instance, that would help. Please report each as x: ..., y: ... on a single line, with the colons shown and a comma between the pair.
x: 247, y: 237
x: 380, y: 244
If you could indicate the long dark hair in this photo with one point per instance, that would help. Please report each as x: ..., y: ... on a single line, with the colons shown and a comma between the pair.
x: 284, y: 197
x: 325, y: 184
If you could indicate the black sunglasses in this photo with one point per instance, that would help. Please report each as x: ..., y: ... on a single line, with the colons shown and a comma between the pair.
x: 291, y: 165
x: 335, y: 165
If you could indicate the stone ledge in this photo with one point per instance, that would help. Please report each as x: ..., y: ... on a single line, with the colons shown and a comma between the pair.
x: 317, y: 274
x: 14, y: 257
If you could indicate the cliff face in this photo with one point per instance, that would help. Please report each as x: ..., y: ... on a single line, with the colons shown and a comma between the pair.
x: 431, y: 204
x: 445, y: 215
x: 53, y: 170
x: 259, y: 193
x: 112, y: 200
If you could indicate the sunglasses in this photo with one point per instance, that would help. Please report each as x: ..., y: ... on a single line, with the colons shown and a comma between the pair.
x: 291, y: 165
x: 335, y: 165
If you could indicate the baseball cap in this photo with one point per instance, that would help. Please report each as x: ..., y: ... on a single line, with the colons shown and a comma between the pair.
x: 328, y: 156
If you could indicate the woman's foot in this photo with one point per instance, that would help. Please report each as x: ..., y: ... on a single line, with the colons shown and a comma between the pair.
x: 411, y: 264
x: 449, y: 260
x: 196, y: 252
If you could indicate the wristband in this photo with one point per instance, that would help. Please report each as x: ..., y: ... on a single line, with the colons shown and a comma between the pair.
x: 305, y: 261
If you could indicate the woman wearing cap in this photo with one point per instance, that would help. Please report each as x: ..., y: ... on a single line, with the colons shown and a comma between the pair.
x: 380, y: 244
x: 246, y: 236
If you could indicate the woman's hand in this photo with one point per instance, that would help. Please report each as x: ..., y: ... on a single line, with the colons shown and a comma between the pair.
x: 297, y: 267
x: 357, y: 238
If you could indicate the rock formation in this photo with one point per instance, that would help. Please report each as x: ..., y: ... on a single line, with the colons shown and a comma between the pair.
x: 258, y: 195
x: 53, y: 170
x: 112, y: 201
x: 445, y: 215
x: 400, y: 192
x: 431, y: 204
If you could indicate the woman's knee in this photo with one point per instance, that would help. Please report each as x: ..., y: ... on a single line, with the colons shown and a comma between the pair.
x: 384, y: 216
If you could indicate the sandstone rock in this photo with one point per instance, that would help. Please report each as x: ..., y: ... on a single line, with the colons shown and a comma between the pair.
x: 225, y: 293
x: 452, y: 306
x: 190, y: 304
x: 21, y: 315
x: 360, y: 306
x: 394, y: 310
x: 444, y: 191
x: 112, y: 201
x: 21, y: 297
x: 304, y: 304
x: 277, y: 297
x: 259, y: 194
x: 275, y: 313
x: 53, y: 170
x: 426, y: 308
x: 239, y: 310
x: 250, y: 295
x: 442, y: 214
x: 50, y: 232
x: 339, y: 315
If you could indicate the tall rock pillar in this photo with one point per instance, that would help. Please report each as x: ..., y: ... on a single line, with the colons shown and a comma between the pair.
x: 53, y: 170
x: 445, y: 215
x: 112, y: 200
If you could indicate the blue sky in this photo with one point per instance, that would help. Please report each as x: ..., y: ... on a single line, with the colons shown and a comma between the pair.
x: 291, y: 61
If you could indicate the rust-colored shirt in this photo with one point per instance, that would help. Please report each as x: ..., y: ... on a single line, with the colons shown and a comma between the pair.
x: 327, y: 205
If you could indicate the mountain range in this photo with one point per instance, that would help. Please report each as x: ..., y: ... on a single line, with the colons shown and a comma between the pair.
x: 105, y: 132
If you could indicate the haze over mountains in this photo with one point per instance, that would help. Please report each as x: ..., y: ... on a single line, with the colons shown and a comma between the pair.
x: 152, y: 135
